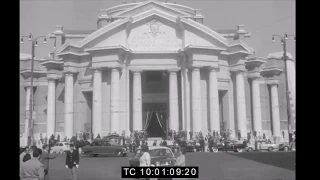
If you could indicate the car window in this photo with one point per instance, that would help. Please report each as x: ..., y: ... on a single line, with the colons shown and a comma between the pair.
x: 106, y: 143
x: 97, y: 143
x: 66, y: 143
x: 60, y: 144
x: 57, y: 144
x: 160, y: 152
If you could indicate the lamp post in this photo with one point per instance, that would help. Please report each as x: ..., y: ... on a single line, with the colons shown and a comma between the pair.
x: 283, y: 42
x: 34, y: 43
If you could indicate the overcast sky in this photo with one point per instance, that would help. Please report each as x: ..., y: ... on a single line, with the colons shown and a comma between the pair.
x: 260, y: 17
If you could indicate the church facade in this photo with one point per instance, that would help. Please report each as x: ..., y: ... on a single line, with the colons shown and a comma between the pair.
x: 153, y: 66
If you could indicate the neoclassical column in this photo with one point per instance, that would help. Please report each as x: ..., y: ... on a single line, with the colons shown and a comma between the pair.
x: 51, y: 106
x: 214, y: 99
x: 256, y: 102
x: 115, y: 96
x: 196, y: 100
x: 137, y: 100
x: 187, y: 102
x: 275, y: 107
x: 241, y: 102
x: 97, y: 102
x: 68, y: 101
x: 173, y: 100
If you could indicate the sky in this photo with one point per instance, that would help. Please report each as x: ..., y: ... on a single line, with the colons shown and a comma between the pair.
x: 262, y: 18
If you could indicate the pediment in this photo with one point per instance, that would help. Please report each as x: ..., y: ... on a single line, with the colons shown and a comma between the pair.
x: 148, y: 6
x: 154, y: 28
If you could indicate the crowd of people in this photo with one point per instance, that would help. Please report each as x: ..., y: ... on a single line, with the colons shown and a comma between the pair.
x: 34, y: 162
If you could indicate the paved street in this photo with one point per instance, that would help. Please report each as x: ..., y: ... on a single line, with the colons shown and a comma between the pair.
x: 219, y: 166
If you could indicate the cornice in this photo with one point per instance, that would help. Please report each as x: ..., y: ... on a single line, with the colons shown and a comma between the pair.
x: 237, y: 67
x: 84, y: 81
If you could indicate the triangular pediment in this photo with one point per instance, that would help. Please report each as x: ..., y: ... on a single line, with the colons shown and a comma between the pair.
x: 145, y: 26
x: 148, y: 6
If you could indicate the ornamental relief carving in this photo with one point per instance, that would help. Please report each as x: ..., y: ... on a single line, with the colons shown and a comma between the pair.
x: 154, y: 36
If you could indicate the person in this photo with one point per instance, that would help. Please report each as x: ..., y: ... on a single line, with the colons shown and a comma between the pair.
x: 181, y: 159
x: 33, y: 169
x: 145, y: 159
x: 155, y: 143
x: 239, y: 135
x: 164, y: 143
x: 283, y: 135
x: 210, y: 141
x: 72, y: 161
x: 45, y: 157
x: 201, y: 142
x: 25, y: 151
x: 264, y: 136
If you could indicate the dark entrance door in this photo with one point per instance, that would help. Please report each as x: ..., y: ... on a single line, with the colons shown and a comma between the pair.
x: 154, y: 129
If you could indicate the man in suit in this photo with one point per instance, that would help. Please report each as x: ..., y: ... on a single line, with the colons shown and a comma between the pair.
x: 45, y: 157
x: 33, y: 169
x: 72, y: 161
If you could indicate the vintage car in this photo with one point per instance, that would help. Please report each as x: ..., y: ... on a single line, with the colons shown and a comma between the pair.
x: 160, y: 156
x: 104, y: 147
x: 60, y: 147
x: 285, y: 146
x: 192, y: 147
x: 263, y: 145
x: 230, y: 145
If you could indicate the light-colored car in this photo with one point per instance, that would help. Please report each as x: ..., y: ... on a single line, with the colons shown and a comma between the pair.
x: 60, y: 147
x: 262, y: 145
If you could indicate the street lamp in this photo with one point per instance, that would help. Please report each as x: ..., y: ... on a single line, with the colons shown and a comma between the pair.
x: 283, y: 42
x: 34, y: 43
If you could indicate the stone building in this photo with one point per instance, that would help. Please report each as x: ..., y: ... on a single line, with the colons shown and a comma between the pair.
x: 152, y: 66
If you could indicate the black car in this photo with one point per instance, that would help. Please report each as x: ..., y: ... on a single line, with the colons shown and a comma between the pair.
x: 160, y: 156
x: 230, y: 145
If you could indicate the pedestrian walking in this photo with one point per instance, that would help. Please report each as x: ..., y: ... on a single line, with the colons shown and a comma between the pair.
x: 33, y: 169
x: 283, y: 135
x: 72, y: 161
x: 45, y: 157
x: 264, y: 136
x: 239, y: 135
x: 145, y: 159
x: 201, y: 142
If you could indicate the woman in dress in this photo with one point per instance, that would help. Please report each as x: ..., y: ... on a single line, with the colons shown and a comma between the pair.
x: 181, y: 159
x: 145, y: 159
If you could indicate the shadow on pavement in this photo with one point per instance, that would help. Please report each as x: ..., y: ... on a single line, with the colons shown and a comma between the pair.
x: 286, y: 160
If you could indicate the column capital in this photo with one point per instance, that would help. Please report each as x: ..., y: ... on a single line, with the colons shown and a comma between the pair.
x: 116, y: 69
x: 253, y: 75
x: 214, y: 68
x: 272, y: 81
x: 27, y: 84
x: 195, y: 68
x: 136, y: 71
x: 69, y: 73
x: 96, y: 69
x: 237, y: 68
x: 53, y: 76
x: 173, y: 70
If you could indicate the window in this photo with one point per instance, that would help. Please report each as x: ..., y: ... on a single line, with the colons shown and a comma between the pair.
x: 105, y: 143
x: 60, y: 144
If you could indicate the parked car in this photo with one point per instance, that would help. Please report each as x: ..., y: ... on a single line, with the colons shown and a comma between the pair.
x: 284, y: 146
x: 160, y: 156
x: 230, y: 145
x: 263, y: 145
x: 104, y: 147
x: 60, y: 147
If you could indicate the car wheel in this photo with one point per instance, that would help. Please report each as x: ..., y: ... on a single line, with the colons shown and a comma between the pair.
x: 215, y: 150
x: 250, y: 150
x: 88, y: 154
x: 95, y: 155
x: 239, y: 150
x: 270, y: 149
x: 286, y: 148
